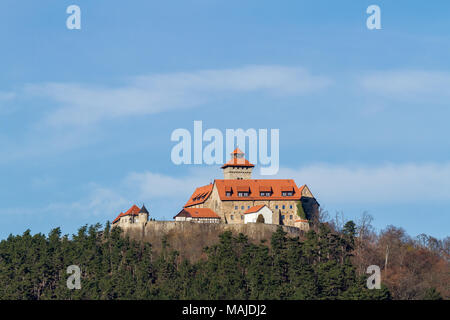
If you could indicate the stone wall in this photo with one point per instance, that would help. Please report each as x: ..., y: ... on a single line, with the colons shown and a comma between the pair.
x: 189, y: 238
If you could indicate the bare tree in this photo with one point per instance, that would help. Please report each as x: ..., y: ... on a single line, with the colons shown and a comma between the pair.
x: 365, y: 248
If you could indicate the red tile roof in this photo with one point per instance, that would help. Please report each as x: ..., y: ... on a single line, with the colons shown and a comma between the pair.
x: 274, y: 186
x: 237, y: 151
x: 265, y: 188
x: 238, y: 162
x: 200, y: 195
x: 255, y: 209
x: 197, y: 213
x: 133, y: 211
x: 118, y: 217
x: 255, y: 186
x: 301, y: 188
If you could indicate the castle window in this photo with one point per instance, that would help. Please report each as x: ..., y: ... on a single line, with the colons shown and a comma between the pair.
x: 242, y: 207
x: 248, y: 207
x: 243, y: 191
x: 232, y: 217
x: 242, y: 217
x: 284, y: 207
x: 265, y: 191
x: 276, y: 207
x: 236, y: 207
x: 290, y: 207
x: 282, y: 217
x: 290, y: 217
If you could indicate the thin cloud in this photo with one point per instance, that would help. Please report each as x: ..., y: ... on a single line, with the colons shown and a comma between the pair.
x: 408, y: 85
x: 150, y: 185
x: 5, y: 96
x: 135, y: 188
x: 387, y: 184
x: 81, y: 104
x: 331, y: 184
x: 5, y: 99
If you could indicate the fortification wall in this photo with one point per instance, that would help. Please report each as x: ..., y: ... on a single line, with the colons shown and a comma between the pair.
x: 189, y: 238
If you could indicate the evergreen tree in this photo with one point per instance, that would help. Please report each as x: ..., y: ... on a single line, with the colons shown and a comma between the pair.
x: 114, y: 266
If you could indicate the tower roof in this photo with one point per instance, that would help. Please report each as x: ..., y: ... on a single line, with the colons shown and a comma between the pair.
x: 236, y: 162
x: 143, y: 209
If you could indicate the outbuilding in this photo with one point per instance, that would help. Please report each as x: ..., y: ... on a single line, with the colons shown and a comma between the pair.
x: 260, y: 213
x: 201, y: 215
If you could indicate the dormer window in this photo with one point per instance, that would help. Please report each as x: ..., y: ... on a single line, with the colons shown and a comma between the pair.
x: 243, y: 191
x: 265, y: 191
x: 287, y: 191
x: 228, y: 193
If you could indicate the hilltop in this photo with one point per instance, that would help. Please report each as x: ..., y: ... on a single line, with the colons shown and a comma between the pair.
x: 189, y: 238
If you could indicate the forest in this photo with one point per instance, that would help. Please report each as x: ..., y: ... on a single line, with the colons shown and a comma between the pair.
x: 329, y: 262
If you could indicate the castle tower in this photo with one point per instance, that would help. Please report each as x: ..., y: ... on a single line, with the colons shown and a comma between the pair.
x: 143, y: 215
x: 238, y: 167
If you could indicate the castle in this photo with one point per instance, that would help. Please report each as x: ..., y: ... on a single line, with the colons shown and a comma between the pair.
x: 239, y: 199
x: 133, y: 216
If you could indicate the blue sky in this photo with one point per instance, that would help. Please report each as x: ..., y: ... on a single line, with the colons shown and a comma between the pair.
x: 86, y: 115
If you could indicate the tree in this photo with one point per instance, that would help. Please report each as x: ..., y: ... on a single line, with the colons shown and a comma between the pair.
x: 432, y: 294
x: 300, y: 212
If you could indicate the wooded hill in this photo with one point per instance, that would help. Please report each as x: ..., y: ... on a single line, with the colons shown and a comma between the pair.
x: 328, y: 264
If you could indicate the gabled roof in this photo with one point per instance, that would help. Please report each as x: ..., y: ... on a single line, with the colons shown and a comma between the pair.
x: 305, y: 192
x: 133, y: 211
x: 200, y: 195
x: 255, y: 185
x: 197, y: 213
x: 118, y: 217
x: 301, y: 188
x: 255, y: 209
